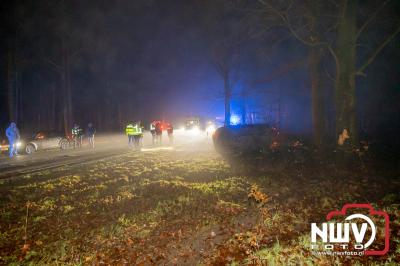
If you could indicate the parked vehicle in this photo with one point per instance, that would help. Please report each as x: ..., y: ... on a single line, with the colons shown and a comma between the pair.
x: 5, y: 146
x: 192, y: 123
x: 45, y: 140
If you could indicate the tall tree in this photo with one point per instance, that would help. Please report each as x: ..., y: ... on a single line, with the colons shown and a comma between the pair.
x: 346, y: 56
x: 303, y: 22
x: 346, y: 112
x: 339, y: 36
x: 225, y: 37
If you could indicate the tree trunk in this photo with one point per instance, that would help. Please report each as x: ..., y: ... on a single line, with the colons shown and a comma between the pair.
x: 64, y: 92
x: 17, y: 96
x: 227, y: 100
x: 10, y: 85
x: 346, y: 109
x: 279, y: 115
x: 317, y: 94
x: 119, y: 111
x: 40, y: 112
x: 66, y: 88
x: 18, y: 84
x: 243, y: 111
x: 53, y: 124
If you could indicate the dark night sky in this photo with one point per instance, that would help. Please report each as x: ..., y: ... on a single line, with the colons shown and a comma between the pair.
x: 153, y: 59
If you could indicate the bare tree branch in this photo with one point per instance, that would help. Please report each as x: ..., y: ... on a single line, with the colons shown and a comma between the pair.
x: 344, y: 9
x: 334, y: 3
x: 280, y: 71
x: 377, y: 51
x: 369, y: 20
x: 328, y: 74
x: 274, y: 10
x: 51, y: 62
x: 334, y: 55
x: 286, y: 21
x: 297, y: 36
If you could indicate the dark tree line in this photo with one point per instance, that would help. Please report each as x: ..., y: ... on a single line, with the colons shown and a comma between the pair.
x: 81, y: 61
x: 63, y: 63
x: 343, y: 39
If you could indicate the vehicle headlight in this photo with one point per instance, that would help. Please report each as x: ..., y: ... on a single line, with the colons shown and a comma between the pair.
x: 194, y: 130
x: 210, y: 129
x: 18, y: 144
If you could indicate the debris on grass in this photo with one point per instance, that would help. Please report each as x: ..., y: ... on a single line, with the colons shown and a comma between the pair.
x: 183, y: 209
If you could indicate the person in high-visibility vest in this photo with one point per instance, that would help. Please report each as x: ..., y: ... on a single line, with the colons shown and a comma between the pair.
x: 77, y: 135
x: 137, y: 134
x: 129, y: 131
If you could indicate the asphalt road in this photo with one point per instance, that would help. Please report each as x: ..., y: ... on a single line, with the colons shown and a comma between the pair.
x: 106, y: 145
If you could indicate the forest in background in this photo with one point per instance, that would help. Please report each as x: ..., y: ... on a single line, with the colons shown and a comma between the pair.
x: 69, y: 61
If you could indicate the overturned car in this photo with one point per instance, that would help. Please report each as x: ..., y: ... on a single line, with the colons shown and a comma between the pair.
x: 236, y: 140
x: 261, y: 139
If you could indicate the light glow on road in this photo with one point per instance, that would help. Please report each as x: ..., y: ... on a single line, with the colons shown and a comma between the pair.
x: 210, y: 129
x: 194, y: 131
x: 157, y: 149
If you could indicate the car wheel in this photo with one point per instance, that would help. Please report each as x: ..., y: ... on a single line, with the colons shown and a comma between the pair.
x: 64, y: 144
x: 30, y: 149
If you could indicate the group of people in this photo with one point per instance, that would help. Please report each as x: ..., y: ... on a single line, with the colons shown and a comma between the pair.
x: 77, y: 135
x: 156, y: 129
x: 13, y: 136
x: 134, y: 131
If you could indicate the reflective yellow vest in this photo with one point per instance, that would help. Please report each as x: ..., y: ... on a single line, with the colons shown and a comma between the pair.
x: 76, y: 131
x: 130, y: 130
x: 137, y: 130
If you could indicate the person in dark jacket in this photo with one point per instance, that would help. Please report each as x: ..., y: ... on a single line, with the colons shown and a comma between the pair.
x: 12, y: 134
x: 159, y: 129
x: 170, y: 131
x: 90, y: 131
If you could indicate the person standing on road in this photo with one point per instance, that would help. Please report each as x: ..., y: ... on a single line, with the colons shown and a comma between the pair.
x: 159, y: 132
x: 137, y: 135
x: 170, y: 131
x: 153, y: 132
x: 13, y: 136
x: 90, y: 131
x: 129, y: 131
x: 77, y: 136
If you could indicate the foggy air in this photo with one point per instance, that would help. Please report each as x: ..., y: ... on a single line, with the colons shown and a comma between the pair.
x: 210, y: 132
